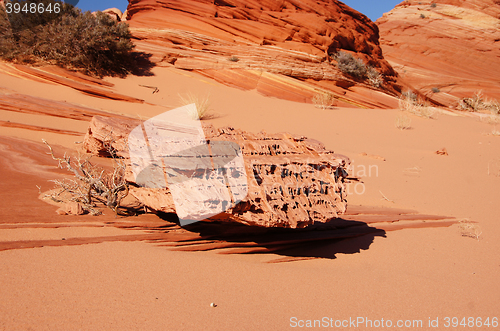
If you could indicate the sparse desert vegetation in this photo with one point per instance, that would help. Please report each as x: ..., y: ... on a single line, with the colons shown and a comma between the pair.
x: 202, y: 104
x: 410, y: 102
x: 375, y: 78
x: 494, y: 120
x: 95, y: 44
x: 350, y: 65
x: 403, y: 121
x: 495, y: 133
x: 479, y: 103
x: 355, y: 67
x: 92, y: 185
x: 469, y: 229
x: 324, y: 100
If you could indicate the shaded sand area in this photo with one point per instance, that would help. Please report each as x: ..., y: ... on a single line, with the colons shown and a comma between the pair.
x: 390, y: 257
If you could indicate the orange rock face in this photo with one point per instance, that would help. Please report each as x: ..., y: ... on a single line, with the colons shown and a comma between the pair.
x: 280, y: 48
x: 115, y: 13
x: 450, y: 45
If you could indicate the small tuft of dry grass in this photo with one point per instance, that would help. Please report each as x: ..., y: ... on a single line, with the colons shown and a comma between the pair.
x: 427, y: 112
x: 375, y: 78
x: 469, y: 229
x: 493, y: 120
x: 410, y: 102
x: 478, y: 103
x: 324, y: 100
x: 202, y: 104
x: 403, y: 121
x: 495, y: 133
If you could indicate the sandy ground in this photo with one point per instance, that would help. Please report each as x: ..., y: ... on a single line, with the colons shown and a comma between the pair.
x: 119, y: 282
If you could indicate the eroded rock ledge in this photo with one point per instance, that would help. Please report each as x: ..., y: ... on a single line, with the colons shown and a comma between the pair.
x: 292, y: 181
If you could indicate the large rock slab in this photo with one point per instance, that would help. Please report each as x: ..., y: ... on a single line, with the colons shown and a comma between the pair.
x: 292, y: 181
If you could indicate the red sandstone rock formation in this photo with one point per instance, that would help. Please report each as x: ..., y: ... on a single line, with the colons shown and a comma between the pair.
x: 115, y: 13
x: 71, y: 208
x: 292, y: 181
x: 281, y: 48
x: 450, y: 45
x: 75, y: 80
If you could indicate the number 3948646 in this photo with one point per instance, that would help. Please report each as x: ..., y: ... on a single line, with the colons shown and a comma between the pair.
x: 32, y: 8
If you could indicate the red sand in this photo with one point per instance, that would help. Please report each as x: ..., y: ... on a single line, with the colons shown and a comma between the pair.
x: 106, y: 277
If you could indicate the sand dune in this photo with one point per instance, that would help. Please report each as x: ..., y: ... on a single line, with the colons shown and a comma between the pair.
x: 144, y: 272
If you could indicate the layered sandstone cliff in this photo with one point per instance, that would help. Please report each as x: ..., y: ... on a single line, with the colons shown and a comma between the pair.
x: 446, y: 49
x: 280, y: 48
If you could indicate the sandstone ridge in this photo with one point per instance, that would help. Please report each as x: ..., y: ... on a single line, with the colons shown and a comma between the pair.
x: 446, y: 49
x: 280, y: 48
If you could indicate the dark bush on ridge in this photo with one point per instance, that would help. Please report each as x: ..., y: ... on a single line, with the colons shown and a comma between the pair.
x: 95, y: 44
x: 356, y: 68
x: 350, y: 65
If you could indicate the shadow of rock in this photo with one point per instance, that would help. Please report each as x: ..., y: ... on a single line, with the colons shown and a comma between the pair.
x: 142, y: 64
x: 317, y: 241
x: 351, y: 234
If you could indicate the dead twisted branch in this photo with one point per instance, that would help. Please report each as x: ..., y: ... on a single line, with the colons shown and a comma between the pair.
x: 91, y: 184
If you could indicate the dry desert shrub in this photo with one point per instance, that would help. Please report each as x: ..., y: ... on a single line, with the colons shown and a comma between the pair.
x: 473, y: 104
x: 403, y: 121
x: 469, y: 229
x: 350, y: 65
x: 324, y: 100
x: 409, y: 102
x: 355, y: 67
x: 375, y: 78
x: 202, y: 104
x: 478, y: 103
x: 426, y: 112
x: 91, y: 185
x: 95, y: 44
